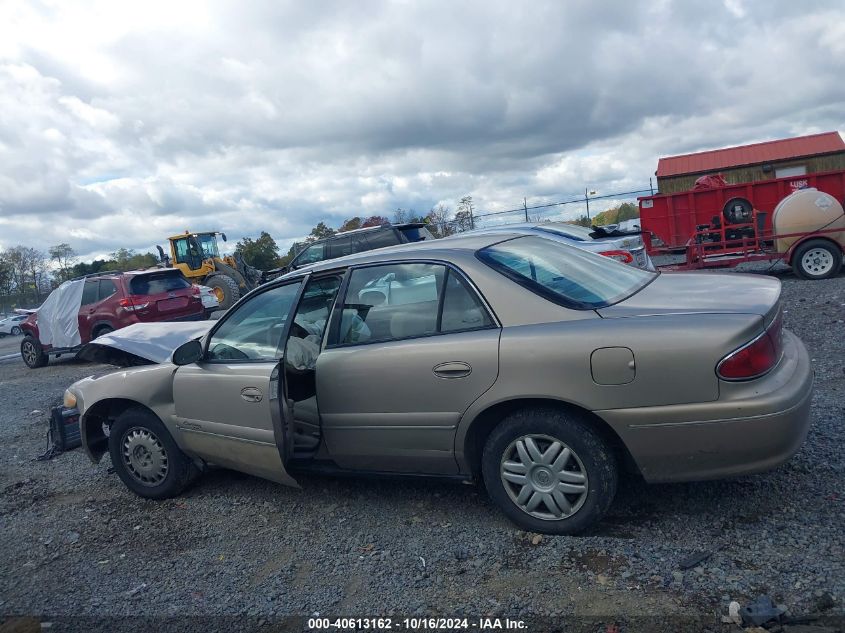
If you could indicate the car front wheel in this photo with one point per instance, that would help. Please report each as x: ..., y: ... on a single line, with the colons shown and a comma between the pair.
x: 146, y: 458
x: 549, y: 471
x: 16, y: 331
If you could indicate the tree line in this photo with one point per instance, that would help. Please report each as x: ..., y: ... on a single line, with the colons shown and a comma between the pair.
x: 28, y: 275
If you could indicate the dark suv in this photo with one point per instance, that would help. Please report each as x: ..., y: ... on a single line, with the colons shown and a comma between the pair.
x: 114, y: 300
x: 359, y: 240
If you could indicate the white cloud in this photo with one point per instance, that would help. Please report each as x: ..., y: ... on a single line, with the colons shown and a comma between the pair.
x: 121, y: 123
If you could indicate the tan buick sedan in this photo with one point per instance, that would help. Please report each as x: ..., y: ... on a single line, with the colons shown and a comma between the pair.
x: 544, y: 371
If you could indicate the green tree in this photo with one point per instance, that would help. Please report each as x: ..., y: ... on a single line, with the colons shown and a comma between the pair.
x: 350, y: 225
x: 582, y: 220
x: 615, y: 215
x: 320, y: 232
x: 262, y: 253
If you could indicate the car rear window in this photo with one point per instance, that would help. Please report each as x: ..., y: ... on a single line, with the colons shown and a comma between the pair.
x: 565, y: 274
x: 574, y: 232
x: 155, y: 283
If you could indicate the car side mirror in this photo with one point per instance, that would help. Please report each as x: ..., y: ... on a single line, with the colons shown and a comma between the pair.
x: 187, y: 353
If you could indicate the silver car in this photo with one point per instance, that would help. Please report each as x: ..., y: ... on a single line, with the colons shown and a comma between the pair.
x: 507, y: 359
x: 626, y: 247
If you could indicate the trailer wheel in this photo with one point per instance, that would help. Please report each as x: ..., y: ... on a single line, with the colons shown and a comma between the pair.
x: 817, y: 259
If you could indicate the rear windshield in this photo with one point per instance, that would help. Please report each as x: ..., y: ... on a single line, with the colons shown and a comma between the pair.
x: 575, y: 232
x: 416, y: 234
x: 155, y: 283
x: 565, y: 274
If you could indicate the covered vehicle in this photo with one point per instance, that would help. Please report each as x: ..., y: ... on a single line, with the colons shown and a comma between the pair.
x: 610, y: 241
x: 506, y: 358
x: 82, y: 309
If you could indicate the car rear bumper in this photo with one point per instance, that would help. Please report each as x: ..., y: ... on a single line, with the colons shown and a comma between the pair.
x: 753, y: 427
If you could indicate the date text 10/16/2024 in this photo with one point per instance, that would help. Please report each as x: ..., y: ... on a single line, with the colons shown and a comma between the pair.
x: 415, y: 624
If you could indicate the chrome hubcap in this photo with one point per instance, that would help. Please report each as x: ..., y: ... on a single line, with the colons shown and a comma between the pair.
x: 544, y: 477
x: 817, y: 261
x: 144, y: 456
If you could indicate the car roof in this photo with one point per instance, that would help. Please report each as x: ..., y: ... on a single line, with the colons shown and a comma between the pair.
x: 434, y: 249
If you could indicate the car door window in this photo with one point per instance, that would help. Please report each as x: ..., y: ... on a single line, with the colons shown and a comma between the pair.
x: 382, y: 238
x: 309, y: 323
x: 253, y: 331
x: 89, y: 292
x: 341, y: 246
x: 107, y: 289
x: 462, y: 309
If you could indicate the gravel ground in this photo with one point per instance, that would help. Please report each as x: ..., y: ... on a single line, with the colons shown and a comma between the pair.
x: 77, y: 542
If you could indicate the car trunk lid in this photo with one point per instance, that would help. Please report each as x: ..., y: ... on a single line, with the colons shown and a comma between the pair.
x: 701, y: 293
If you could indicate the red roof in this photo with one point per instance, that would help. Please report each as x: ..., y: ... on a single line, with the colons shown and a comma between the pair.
x: 770, y: 151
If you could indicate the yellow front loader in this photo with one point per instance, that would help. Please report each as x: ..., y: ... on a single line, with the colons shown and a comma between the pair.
x: 197, y: 256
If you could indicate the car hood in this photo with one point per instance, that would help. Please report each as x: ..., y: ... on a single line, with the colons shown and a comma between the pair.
x: 698, y: 293
x: 143, y: 343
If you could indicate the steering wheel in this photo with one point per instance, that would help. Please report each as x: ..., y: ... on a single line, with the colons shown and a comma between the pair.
x: 221, y: 351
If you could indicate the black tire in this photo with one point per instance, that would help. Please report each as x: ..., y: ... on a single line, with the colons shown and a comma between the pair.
x: 103, y: 329
x: 824, y: 266
x: 227, y: 286
x: 737, y: 211
x: 33, y: 353
x: 146, y: 431
x: 593, y: 458
x: 16, y: 331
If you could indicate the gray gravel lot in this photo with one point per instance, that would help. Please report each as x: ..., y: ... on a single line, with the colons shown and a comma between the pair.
x: 77, y: 542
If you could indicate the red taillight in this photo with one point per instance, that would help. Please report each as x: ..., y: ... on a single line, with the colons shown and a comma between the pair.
x: 755, y: 358
x: 620, y: 256
x: 130, y: 305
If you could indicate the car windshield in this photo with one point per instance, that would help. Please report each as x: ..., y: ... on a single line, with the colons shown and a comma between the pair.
x: 565, y: 274
x: 573, y: 231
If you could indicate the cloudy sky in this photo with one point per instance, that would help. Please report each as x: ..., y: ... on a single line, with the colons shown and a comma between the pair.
x: 122, y: 122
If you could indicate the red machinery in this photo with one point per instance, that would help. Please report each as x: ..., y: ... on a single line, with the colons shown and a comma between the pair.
x: 806, y: 230
x: 668, y: 220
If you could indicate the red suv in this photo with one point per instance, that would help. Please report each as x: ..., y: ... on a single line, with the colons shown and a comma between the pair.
x: 114, y: 300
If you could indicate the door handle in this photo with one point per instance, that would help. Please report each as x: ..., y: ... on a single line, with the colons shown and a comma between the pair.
x: 453, y: 369
x: 251, y: 394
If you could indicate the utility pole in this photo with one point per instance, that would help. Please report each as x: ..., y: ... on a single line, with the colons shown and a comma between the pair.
x: 587, y: 200
x: 525, y: 206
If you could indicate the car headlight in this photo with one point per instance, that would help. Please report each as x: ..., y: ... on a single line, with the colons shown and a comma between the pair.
x: 69, y: 399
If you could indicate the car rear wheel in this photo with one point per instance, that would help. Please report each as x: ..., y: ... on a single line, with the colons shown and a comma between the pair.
x: 225, y: 289
x: 33, y: 353
x: 146, y: 458
x: 817, y: 259
x: 16, y: 331
x: 549, y: 471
